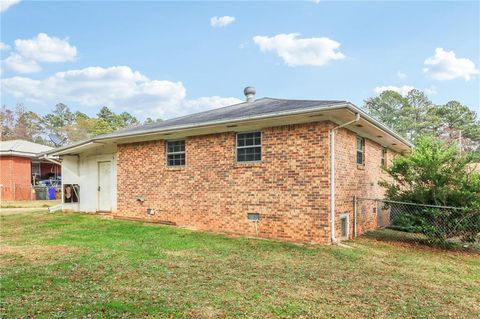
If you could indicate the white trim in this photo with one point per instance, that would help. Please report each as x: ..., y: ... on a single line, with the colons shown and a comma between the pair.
x: 175, y: 153
x: 236, y: 147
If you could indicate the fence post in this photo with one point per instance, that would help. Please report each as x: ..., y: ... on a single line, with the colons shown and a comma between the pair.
x: 355, y: 216
x: 14, y: 191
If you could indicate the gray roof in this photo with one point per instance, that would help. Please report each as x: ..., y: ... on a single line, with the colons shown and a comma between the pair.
x: 22, y: 148
x: 263, y: 106
x: 260, y: 108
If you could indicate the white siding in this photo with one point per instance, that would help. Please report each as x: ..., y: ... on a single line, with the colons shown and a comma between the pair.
x: 83, y: 170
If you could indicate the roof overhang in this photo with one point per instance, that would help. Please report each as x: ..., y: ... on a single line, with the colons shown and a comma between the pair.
x: 18, y: 154
x: 367, y: 126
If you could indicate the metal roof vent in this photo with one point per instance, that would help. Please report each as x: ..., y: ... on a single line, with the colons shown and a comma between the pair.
x: 249, y: 93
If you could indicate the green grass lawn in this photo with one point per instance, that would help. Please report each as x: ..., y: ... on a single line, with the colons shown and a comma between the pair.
x: 75, y: 266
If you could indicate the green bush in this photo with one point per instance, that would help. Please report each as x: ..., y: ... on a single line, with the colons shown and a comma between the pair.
x: 435, y: 174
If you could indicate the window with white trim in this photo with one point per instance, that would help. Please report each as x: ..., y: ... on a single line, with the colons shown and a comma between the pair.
x: 249, y: 147
x: 360, y: 150
x: 175, y: 153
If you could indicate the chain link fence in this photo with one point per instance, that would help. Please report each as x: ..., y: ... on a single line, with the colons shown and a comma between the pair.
x: 22, y: 192
x: 424, y: 224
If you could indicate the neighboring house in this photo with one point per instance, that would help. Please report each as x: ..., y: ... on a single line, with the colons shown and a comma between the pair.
x: 263, y: 167
x: 20, y: 168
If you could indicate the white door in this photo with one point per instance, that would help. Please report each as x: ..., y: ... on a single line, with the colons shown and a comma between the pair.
x: 104, y: 186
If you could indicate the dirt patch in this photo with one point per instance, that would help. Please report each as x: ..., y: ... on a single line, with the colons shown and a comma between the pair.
x: 35, y: 253
x: 15, y: 211
x: 29, y: 203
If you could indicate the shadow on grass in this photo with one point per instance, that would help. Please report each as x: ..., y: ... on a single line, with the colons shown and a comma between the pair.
x: 420, y: 240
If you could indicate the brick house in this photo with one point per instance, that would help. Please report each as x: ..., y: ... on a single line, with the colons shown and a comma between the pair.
x: 20, y: 168
x: 273, y: 168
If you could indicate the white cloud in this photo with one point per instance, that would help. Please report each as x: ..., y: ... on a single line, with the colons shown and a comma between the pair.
x: 221, y: 21
x: 444, y: 65
x: 44, y: 48
x: 403, y: 90
x: 5, y: 4
x: 118, y: 87
x: 41, y: 48
x: 4, y: 46
x: 401, y: 75
x: 20, y: 64
x: 300, y: 51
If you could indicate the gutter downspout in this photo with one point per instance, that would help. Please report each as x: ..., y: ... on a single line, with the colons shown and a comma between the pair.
x: 332, y: 175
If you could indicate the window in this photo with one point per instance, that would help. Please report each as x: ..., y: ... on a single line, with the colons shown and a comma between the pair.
x: 176, y: 153
x: 384, y: 156
x: 249, y: 147
x: 36, y: 171
x: 344, y: 226
x: 360, y: 150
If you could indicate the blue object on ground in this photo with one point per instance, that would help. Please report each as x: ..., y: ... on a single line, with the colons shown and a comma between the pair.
x: 51, y: 193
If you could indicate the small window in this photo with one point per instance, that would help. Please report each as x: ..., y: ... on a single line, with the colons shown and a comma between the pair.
x: 176, y: 153
x: 36, y: 169
x: 253, y: 217
x: 249, y: 147
x: 384, y: 156
x: 344, y: 226
x: 360, y: 150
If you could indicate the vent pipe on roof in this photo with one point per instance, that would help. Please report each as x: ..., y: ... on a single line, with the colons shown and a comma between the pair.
x: 249, y: 93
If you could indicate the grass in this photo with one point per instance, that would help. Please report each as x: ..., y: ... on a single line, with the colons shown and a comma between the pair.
x: 76, y: 265
x: 29, y: 203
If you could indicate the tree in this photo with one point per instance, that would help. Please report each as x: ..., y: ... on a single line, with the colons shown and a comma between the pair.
x: 411, y: 116
x: 389, y: 107
x: 119, y: 121
x: 60, y: 118
x: 149, y: 120
x: 459, y: 121
x: 108, y: 116
x: 20, y: 124
x: 415, y: 115
x: 7, y: 120
x: 435, y: 173
x: 100, y: 126
x: 127, y: 120
x: 80, y: 116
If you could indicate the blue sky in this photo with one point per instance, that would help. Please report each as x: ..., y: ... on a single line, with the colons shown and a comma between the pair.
x: 165, y: 59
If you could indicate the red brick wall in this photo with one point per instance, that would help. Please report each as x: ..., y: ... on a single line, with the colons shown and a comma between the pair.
x: 15, y: 172
x: 289, y: 188
x: 362, y: 181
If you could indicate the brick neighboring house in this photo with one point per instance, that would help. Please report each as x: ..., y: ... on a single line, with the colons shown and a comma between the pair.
x: 262, y: 168
x: 20, y: 167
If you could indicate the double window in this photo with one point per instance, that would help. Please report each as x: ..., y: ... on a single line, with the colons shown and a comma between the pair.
x: 176, y: 153
x: 360, y: 150
x: 249, y: 147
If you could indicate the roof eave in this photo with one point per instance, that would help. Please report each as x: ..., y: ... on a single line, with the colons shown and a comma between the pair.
x: 347, y: 105
x: 379, y: 124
